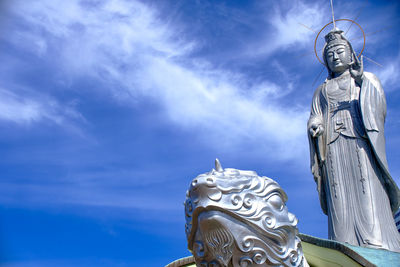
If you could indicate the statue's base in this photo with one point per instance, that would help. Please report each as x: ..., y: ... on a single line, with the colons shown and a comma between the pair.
x: 323, y: 252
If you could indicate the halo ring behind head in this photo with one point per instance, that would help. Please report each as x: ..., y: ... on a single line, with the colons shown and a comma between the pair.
x: 316, y: 38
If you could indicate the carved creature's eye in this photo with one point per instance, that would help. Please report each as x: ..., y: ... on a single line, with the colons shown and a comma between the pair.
x: 276, y: 201
x: 330, y: 54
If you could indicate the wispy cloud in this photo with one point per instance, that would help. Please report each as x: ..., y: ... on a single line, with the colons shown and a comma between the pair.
x: 297, y: 25
x: 24, y: 108
x: 388, y: 73
x: 96, y: 194
x: 17, y: 109
x: 125, y: 44
x: 289, y: 25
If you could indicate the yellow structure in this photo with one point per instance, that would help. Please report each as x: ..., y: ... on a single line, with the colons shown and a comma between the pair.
x: 320, y: 256
x: 327, y: 253
x: 315, y: 255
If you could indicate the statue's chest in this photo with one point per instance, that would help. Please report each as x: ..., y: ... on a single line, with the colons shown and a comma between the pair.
x: 342, y: 96
x: 338, y: 90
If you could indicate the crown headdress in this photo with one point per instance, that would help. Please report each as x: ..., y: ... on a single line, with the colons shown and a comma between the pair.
x: 335, y: 37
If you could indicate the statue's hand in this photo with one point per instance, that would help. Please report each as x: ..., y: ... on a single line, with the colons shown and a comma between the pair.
x: 357, y: 69
x: 316, y: 130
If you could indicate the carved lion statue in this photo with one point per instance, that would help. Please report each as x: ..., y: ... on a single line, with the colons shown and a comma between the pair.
x: 237, y: 218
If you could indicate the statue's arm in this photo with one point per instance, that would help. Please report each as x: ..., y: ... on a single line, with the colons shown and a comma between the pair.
x: 315, y: 129
x: 315, y: 123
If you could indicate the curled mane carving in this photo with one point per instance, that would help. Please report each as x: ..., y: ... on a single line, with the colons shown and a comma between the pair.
x: 252, y: 208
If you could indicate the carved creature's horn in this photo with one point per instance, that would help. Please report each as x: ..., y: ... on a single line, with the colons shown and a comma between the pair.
x: 218, y: 166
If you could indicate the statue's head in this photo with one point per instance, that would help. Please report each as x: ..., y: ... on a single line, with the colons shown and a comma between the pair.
x: 237, y: 218
x: 338, y: 53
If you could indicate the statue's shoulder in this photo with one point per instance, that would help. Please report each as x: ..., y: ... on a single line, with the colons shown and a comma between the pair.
x: 322, y: 85
x: 319, y: 90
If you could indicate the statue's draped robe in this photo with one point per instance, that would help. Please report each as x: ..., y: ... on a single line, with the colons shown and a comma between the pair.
x: 349, y: 163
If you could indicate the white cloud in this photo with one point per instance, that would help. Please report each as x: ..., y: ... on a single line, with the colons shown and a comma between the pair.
x: 126, y: 45
x: 17, y: 109
x: 388, y: 73
x: 195, y: 100
x: 76, y: 193
x: 292, y: 26
x: 28, y: 109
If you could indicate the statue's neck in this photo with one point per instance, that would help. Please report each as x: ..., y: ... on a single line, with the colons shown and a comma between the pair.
x: 340, y: 74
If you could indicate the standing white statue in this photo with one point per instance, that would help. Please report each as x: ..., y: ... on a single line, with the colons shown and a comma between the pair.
x: 348, y: 157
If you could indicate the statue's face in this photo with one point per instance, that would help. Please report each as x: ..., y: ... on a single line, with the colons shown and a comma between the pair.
x: 338, y: 58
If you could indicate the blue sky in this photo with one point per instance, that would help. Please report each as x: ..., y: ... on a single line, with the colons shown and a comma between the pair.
x: 108, y: 109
